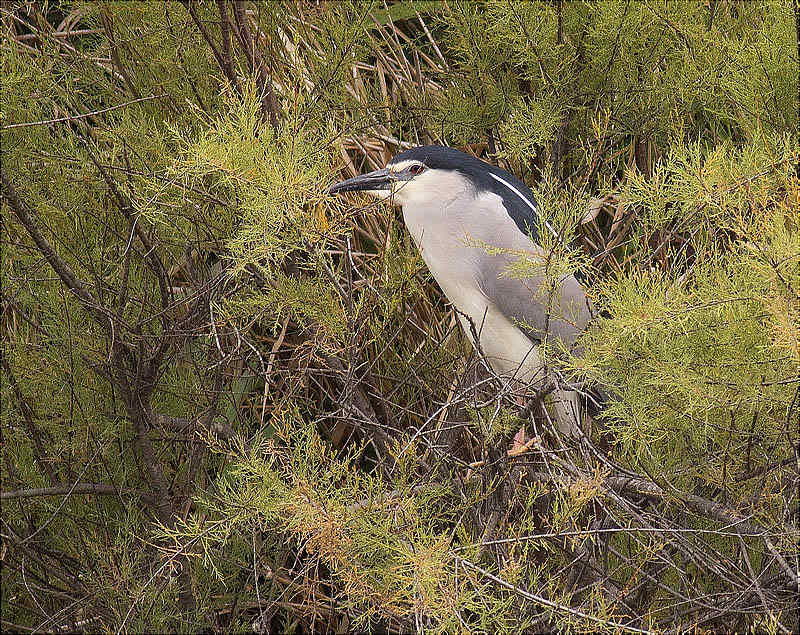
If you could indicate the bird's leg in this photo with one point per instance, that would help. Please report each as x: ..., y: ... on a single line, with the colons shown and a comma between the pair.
x: 567, y: 408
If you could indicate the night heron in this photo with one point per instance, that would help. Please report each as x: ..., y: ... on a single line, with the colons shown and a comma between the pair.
x: 471, y: 221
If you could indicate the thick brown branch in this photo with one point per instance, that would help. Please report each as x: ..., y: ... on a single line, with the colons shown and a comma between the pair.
x: 222, y: 61
x: 697, y: 504
x: 28, y: 416
x: 63, y: 270
x: 269, y: 104
x: 226, y: 57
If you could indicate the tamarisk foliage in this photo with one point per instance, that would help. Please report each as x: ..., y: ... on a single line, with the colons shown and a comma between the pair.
x: 232, y: 403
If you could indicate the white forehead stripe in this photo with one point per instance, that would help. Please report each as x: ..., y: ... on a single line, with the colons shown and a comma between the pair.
x: 402, y: 165
x: 528, y: 202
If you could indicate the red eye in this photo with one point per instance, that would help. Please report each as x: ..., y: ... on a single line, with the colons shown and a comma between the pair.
x: 416, y: 169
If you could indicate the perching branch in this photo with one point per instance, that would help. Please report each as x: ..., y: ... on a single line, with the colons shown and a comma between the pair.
x: 699, y: 505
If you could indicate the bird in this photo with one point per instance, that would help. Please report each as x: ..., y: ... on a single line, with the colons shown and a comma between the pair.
x: 470, y: 221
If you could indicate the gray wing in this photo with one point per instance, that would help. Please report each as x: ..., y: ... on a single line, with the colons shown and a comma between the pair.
x: 541, y: 310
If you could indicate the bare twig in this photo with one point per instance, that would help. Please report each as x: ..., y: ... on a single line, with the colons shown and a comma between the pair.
x: 548, y: 603
x: 63, y: 490
x: 46, y: 122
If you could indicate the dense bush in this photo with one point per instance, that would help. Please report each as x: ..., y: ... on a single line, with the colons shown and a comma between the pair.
x: 230, y: 402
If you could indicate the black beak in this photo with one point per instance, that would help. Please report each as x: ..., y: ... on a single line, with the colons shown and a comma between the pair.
x: 377, y: 180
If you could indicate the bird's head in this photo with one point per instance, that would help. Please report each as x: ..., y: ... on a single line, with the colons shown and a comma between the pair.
x: 431, y: 176
x: 416, y: 175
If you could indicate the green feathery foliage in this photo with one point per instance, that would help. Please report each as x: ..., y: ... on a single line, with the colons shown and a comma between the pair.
x: 233, y: 403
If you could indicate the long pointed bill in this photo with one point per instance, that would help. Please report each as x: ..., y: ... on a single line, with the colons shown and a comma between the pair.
x: 377, y: 180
